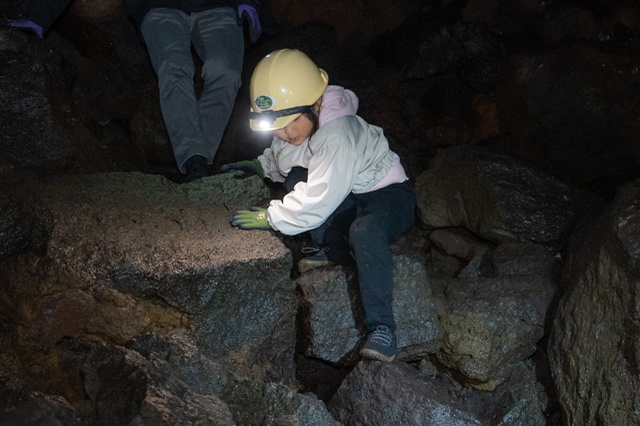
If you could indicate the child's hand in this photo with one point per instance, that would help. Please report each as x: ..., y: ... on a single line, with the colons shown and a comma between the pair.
x: 254, y: 218
x: 251, y: 167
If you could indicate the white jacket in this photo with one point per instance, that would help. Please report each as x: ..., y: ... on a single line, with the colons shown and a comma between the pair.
x: 280, y: 157
x: 278, y: 160
x: 347, y: 155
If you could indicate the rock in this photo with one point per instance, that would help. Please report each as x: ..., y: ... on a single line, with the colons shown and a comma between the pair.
x: 134, y: 252
x: 126, y: 386
x: 16, y: 227
x: 331, y: 315
x: 34, y: 408
x: 524, y: 259
x: 395, y: 393
x: 258, y: 403
x: 492, y: 324
x: 566, y: 111
x: 377, y: 393
x: 30, y: 135
x: 594, y: 345
x: 495, y: 197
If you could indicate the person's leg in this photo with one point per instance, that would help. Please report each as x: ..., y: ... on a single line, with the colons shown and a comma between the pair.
x: 331, y: 236
x: 329, y: 239
x: 382, y: 216
x: 167, y: 35
x: 219, y: 41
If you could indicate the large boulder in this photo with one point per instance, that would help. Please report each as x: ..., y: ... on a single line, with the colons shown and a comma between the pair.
x: 128, y: 253
x: 594, y: 347
x: 493, y: 324
x: 496, y: 197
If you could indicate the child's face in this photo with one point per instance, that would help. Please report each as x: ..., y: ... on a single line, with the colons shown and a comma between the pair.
x: 296, y: 132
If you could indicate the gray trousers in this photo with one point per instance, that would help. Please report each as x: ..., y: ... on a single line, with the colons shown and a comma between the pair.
x: 195, y: 126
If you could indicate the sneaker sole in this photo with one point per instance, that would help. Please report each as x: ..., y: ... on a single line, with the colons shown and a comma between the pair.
x: 306, y: 265
x: 375, y: 355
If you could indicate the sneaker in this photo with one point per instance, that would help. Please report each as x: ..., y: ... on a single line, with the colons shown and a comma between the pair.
x: 318, y: 259
x: 381, y: 345
x: 196, y: 168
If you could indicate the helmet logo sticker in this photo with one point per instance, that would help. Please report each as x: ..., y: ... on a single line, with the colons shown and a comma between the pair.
x: 264, y: 102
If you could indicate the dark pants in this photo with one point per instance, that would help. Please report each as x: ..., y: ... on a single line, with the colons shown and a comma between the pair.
x: 365, y: 225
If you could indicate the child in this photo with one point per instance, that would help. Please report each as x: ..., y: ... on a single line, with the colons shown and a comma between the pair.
x: 282, y: 162
x: 357, y: 197
x: 287, y: 162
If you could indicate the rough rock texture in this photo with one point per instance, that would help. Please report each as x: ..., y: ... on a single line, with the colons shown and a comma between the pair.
x: 128, y: 388
x: 567, y: 112
x: 25, y: 110
x: 552, y: 83
x: 129, y: 252
x: 416, y: 310
x: 496, y: 197
x: 492, y: 324
x: 259, y: 403
x: 331, y: 316
x: 383, y: 394
x: 35, y: 408
x: 594, y: 346
x: 377, y: 393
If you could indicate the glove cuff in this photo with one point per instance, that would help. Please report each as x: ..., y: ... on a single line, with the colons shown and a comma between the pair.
x: 258, y: 166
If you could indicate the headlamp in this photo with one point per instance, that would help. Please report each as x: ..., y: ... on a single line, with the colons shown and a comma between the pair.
x: 266, y: 119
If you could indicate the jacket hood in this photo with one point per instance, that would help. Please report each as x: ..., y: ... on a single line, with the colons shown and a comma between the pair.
x: 337, y: 102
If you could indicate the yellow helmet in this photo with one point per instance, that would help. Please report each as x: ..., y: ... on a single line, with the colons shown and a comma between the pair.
x: 284, y: 84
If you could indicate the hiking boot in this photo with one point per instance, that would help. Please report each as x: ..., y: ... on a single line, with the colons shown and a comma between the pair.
x: 381, y: 345
x: 318, y: 259
x: 196, y: 168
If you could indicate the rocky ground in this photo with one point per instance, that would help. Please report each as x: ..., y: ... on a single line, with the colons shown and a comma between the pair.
x: 126, y: 297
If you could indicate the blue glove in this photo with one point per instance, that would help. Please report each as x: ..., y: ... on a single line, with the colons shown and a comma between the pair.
x: 250, y: 167
x: 27, y: 25
x: 254, y: 218
x: 248, y: 12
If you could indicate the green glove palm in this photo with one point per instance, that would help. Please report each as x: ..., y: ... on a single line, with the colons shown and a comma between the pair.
x: 251, y: 167
x: 254, y: 218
